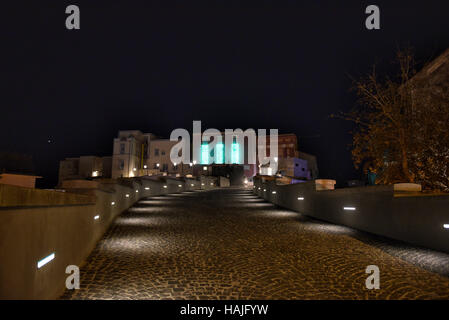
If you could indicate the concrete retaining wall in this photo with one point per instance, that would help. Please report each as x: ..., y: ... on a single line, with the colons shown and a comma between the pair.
x: 417, y: 220
x: 36, y: 223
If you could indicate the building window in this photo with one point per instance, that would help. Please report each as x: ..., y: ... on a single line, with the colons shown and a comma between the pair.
x: 122, y: 148
x: 235, y: 153
x: 165, y: 167
x: 156, y: 152
x: 121, y: 164
x: 219, y: 159
x: 163, y: 152
x: 205, y: 153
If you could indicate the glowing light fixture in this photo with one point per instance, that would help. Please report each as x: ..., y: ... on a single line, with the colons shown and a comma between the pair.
x: 264, y: 190
x: 204, y: 168
x: 95, y: 174
x: 349, y: 208
x: 446, y: 226
x: 157, y: 165
x: 205, y: 153
x: 46, y: 260
x: 147, y: 188
x: 97, y: 217
x: 192, y: 184
x: 165, y: 187
x: 134, y: 169
x: 145, y: 166
x: 179, y: 185
x: 300, y: 198
x: 127, y: 195
x: 235, y: 153
x: 202, y: 184
x: 112, y: 203
x: 274, y: 192
x: 219, y: 156
x: 137, y: 191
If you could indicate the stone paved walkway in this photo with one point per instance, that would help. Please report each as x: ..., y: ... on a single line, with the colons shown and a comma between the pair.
x: 229, y: 244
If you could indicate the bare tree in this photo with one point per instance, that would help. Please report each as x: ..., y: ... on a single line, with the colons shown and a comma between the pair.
x: 401, y: 127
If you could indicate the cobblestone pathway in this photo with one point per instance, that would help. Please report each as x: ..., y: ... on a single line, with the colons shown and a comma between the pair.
x: 228, y: 244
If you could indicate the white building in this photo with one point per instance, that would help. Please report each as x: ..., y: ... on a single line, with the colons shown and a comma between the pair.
x: 131, y: 153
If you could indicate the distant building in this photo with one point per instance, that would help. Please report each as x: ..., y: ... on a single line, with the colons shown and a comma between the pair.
x: 144, y: 154
x: 84, y: 167
x: 130, y: 153
x: 159, y: 159
x: 20, y: 180
x: 17, y: 170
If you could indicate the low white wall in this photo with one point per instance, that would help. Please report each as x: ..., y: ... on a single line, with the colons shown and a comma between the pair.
x: 418, y: 220
x: 70, y: 231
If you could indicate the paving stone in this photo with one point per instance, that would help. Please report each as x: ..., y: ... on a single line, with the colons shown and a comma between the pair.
x: 222, y: 244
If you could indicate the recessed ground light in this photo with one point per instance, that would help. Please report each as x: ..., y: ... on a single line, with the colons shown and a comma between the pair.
x: 300, y: 198
x: 97, y: 217
x: 446, y: 226
x: 349, y: 208
x: 46, y: 260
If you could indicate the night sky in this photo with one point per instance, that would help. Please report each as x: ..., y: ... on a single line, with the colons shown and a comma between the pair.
x: 157, y: 66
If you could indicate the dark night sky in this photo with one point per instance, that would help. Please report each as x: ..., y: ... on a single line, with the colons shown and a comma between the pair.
x: 143, y: 65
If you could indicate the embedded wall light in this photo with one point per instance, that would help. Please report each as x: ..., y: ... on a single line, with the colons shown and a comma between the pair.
x: 349, y: 208
x: 274, y: 192
x: 46, y: 260
x: 300, y: 198
x: 179, y: 185
x: 147, y: 188
x: 165, y: 187
x: 97, y: 217
x: 446, y: 226
x: 112, y: 203
x: 127, y: 195
x: 137, y: 191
